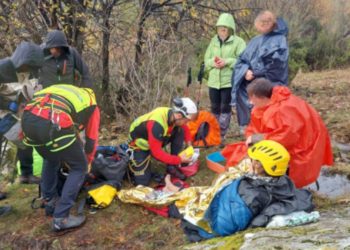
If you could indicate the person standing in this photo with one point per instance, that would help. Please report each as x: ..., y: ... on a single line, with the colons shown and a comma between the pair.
x: 220, y: 59
x: 51, y: 123
x: 266, y: 56
x: 24, y: 64
x: 63, y: 63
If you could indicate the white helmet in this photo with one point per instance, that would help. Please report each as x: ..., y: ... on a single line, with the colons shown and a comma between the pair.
x: 185, y: 106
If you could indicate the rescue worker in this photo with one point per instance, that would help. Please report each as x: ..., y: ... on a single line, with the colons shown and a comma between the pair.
x: 152, y: 131
x: 63, y: 63
x: 51, y: 122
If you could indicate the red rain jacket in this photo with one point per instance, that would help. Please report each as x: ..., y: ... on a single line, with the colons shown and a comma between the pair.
x: 292, y: 122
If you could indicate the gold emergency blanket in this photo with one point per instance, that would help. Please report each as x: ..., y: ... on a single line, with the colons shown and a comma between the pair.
x: 192, y: 202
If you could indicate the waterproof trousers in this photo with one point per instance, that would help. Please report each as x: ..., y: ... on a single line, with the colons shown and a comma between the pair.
x: 140, y: 168
x: 73, y: 156
x: 243, y: 106
x: 220, y: 106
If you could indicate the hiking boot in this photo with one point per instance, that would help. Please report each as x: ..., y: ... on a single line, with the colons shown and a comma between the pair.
x: 4, y: 210
x: 2, y: 196
x: 29, y: 179
x: 59, y: 224
x: 50, y: 206
x: 175, y: 172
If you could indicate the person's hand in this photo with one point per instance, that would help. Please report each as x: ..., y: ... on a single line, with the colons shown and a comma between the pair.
x: 221, y: 63
x: 249, y: 141
x: 13, y: 106
x: 185, y: 159
x: 249, y: 75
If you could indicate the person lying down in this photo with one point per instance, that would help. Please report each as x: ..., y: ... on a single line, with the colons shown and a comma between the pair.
x: 249, y: 194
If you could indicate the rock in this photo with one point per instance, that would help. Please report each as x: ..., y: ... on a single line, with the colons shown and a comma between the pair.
x: 331, y: 232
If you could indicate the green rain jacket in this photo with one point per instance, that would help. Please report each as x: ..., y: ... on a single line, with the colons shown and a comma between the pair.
x: 229, y: 50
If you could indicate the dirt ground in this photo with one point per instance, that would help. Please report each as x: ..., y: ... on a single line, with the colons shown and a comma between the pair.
x: 125, y: 226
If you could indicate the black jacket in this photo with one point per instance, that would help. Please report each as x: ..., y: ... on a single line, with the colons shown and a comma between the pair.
x: 27, y: 57
x: 64, y: 68
x: 267, y: 197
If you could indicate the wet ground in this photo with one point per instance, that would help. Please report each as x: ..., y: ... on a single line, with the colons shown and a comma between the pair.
x: 331, y: 185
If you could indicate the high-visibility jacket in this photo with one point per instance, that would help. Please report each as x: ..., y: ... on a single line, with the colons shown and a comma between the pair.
x: 148, y: 133
x: 67, y: 105
x: 159, y: 115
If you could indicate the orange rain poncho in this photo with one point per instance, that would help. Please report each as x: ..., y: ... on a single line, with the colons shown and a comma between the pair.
x: 292, y: 122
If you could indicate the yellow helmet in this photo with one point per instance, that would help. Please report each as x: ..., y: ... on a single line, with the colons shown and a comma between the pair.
x: 272, y: 155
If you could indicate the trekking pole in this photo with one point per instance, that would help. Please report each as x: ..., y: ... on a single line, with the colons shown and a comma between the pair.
x: 200, y: 80
x: 189, y: 81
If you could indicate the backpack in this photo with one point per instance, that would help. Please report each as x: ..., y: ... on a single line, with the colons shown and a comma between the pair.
x: 111, y: 168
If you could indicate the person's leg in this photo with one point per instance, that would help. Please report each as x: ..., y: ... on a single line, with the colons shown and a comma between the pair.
x: 215, y: 100
x: 25, y: 157
x: 140, y: 169
x: 225, y: 111
x: 75, y: 158
x: 49, y: 179
x: 243, y: 106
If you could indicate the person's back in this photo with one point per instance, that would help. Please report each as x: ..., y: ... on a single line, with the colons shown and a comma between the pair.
x: 63, y: 63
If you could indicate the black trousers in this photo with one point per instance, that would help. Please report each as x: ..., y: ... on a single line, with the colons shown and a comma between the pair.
x: 37, y: 129
x: 142, y: 173
x: 220, y: 100
x: 25, y: 157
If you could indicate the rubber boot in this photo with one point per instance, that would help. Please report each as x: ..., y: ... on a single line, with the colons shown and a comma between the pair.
x: 59, y: 224
x: 224, y: 121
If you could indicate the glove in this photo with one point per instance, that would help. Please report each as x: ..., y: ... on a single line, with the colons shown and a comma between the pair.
x: 13, y: 106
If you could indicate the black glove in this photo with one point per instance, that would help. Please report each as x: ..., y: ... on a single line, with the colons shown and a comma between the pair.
x: 89, y: 145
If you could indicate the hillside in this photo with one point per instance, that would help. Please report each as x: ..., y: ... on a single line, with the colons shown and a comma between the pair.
x: 125, y: 226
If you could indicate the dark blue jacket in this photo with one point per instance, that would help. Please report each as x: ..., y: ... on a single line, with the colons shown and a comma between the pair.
x: 267, y: 56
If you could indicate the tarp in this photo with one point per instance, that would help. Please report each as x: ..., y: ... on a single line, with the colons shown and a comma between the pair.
x: 292, y: 122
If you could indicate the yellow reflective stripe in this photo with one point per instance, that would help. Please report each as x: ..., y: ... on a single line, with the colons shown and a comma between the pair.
x: 59, y: 139
x: 142, y: 143
x: 65, y: 146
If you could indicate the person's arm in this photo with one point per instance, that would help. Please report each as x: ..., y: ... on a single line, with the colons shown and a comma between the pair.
x: 240, y: 47
x: 91, y: 132
x: 209, y: 58
x: 187, y: 134
x: 155, y: 132
x: 82, y: 68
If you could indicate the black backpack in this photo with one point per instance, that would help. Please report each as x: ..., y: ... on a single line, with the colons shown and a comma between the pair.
x: 111, y: 168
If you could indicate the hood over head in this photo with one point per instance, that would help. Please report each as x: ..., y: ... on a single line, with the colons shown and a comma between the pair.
x: 28, y: 57
x: 281, y: 27
x: 226, y: 20
x: 56, y: 39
